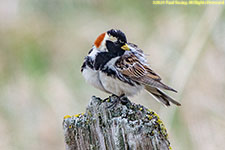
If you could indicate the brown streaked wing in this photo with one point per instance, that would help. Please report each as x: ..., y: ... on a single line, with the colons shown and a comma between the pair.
x: 152, y: 74
x: 130, y: 66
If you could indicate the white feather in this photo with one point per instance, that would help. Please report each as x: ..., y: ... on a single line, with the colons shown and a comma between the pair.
x: 116, y: 86
x: 92, y: 77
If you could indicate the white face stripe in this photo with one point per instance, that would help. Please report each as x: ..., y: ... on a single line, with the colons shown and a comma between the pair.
x: 112, y: 38
x: 102, y: 47
x: 105, y: 38
x: 93, y: 53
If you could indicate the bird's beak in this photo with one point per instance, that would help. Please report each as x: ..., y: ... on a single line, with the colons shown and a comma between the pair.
x: 125, y: 47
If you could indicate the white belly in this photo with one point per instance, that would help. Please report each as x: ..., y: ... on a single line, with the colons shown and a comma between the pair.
x: 92, y: 77
x: 117, y: 87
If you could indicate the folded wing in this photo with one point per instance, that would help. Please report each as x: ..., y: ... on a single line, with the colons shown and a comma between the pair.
x: 130, y: 66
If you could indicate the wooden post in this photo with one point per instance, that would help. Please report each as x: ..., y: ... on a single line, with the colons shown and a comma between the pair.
x: 123, y: 127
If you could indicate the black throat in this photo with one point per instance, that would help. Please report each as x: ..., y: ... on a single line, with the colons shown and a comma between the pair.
x: 114, y: 50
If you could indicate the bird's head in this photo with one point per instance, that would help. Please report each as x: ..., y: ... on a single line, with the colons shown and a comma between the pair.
x: 111, y: 38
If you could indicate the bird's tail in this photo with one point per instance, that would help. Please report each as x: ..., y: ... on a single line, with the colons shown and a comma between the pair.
x: 161, y: 96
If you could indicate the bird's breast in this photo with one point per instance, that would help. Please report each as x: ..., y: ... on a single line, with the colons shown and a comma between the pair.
x: 92, y: 77
x: 118, y: 87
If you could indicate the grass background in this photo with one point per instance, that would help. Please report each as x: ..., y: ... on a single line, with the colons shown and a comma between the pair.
x: 43, y: 44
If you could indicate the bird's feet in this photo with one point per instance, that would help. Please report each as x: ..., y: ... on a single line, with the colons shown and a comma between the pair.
x: 108, y: 99
x: 124, y: 100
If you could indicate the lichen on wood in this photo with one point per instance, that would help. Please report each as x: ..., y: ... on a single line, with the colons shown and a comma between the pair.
x: 123, y: 127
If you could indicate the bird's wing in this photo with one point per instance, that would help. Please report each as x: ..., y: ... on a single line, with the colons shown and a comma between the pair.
x: 137, y: 52
x: 131, y: 67
x: 161, y: 96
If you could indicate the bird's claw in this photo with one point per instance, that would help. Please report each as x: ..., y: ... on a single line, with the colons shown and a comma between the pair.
x: 114, y: 103
x: 123, y: 99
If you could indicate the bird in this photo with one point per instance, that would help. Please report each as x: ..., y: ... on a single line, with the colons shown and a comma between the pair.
x: 120, y: 68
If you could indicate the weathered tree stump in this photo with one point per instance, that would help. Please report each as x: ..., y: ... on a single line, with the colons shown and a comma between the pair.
x: 123, y: 127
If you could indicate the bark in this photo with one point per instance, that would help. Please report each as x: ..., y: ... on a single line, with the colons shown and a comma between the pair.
x: 123, y: 127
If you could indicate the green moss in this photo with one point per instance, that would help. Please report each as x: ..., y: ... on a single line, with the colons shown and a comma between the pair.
x: 138, y: 118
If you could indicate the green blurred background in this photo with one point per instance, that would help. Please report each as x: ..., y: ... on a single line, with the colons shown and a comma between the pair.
x: 42, y: 46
